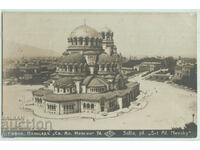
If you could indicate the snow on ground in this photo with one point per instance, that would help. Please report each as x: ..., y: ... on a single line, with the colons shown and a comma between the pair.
x: 166, y: 107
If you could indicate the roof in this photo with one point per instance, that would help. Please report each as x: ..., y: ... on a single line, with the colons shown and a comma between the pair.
x: 109, y: 76
x: 55, y: 76
x: 151, y: 63
x: 73, y: 58
x: 91, y: 97
x: 92, y: 52
x: 64, y: 82
x: 85, y: 31
x: 161, y: 75
x: 87, y: 80
x: 102, y: 72
x: 29, y: 67
x: 97, y: 82
x: 41, y: 92
x: 178, y: 68
x: 117, y: 77
x: 105, y: 58
x: 48, y: 81
x: 188, y: 65
x: 127, y: 68
x: 188, y: 60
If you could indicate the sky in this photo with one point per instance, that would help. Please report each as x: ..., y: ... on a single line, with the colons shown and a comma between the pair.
x: 135, y: 34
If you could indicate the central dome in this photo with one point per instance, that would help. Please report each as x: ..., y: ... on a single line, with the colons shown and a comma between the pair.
x: 85, y: 31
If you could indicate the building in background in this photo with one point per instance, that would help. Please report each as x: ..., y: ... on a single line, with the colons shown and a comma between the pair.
x: 30, y: 70
x: 149, y: 66
x: 185, y: 72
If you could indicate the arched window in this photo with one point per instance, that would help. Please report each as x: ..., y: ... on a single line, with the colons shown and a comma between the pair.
x: 108, y: 67
x: 92, y: 42
x: 72, y: 42
x: 97, y: 41
x: 75, y: 41
x: 88, y: 106
x: 81, y: 67
x: 107, y: 35
x: 86, y: 41
x: 81, y: 41
x: 70, y: 68
x: 92, y: 106
x: 84, y: 105
x: 76, y: 68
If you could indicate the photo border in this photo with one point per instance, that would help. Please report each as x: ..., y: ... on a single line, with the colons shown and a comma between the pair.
x: 108, y: 10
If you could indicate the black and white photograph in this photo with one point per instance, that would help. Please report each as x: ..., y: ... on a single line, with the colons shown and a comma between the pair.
x: 99, y: 74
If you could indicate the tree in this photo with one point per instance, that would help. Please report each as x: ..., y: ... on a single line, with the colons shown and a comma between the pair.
x: 170, y: 63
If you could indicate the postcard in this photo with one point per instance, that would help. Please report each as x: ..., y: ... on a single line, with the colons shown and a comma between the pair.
x: 99, y: 74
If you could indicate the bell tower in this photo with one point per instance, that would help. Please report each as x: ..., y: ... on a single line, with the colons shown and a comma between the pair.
x: 108, y: 42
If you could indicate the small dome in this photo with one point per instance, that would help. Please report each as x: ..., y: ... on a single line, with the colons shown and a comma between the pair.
x: 64, y: 82
x: 85, y: 31
x: 105, y: 58
x: 106, y: 29
x: 73, y: 58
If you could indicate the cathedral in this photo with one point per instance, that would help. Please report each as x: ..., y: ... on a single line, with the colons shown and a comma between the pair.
x: 87, y: 77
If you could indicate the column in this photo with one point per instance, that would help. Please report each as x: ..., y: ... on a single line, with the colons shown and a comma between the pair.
x: 77, y: 86
x: 105, y: 68
x: 91, y: 70
x: 67, y: 68
x: 100, y: 67
x: 119, y: 101
x: 73, y: 68
x: 83, y: 41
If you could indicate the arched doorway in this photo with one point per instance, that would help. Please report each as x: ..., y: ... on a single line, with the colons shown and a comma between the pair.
x: 102, y: 104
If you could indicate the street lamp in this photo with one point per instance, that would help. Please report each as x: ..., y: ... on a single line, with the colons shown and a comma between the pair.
x: 193, y: 117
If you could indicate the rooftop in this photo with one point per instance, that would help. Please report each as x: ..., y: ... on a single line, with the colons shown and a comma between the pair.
x: 73, y: 58
x: 97, y: 82
x: 64, y: 82
x: 85, y: 31
x: 87, y: 80
x: 93, y: 97
x: 41, y: 92
x: 151, y: 63
x: 105, y: 58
